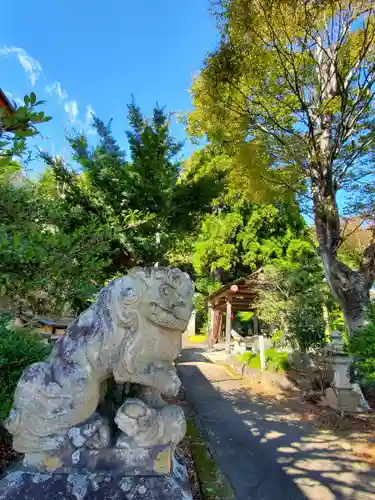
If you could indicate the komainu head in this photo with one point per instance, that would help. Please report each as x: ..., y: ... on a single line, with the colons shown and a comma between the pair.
x: 163, y: 296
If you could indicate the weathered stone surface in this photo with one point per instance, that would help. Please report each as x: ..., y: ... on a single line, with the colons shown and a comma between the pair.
x: 80, y: 444
x: 350, y: 398
x: 146, y: 427
x: 79, y: 486
x: 349, y: 401
x: 330, y: 399
x: 156, y: 460
x: 133, y: 333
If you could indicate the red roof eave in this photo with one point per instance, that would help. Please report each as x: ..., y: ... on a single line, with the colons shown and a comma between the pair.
x: 5, y: 102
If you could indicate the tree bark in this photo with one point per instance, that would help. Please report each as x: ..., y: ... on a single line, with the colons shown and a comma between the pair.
x: 351, y: 288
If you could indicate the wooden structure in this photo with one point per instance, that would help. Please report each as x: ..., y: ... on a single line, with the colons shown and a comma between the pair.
x: 240, y: 296
x: 5, y: 103
x: 51, y: 330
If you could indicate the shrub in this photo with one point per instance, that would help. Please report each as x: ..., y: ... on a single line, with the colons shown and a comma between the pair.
x: 18, y: 349
x: 245, y: 357
x: 361, y: 346
x: 306, y: 323
x: 275, y: 361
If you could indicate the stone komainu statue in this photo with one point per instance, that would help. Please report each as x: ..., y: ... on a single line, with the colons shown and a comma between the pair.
x: 131, y: 333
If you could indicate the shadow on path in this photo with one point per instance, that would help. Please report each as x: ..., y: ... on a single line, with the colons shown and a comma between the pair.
x: 262, y: 447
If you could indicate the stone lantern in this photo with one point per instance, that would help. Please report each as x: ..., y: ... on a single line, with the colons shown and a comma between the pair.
x: 344, y: 396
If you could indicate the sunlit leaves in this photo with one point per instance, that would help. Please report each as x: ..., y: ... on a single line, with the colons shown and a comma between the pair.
x: 17, y: 125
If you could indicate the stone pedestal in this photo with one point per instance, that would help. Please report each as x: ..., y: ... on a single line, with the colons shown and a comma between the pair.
x: 343, y: 397
x: 79, y: 444
x: 156, y: 460
x: 349, y: 401
x: 99, y: 485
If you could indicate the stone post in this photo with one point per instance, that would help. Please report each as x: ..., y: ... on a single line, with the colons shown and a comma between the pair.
x: 228, y: 325
x: 191, y: 326
x: 261, y: 353
x: 255, y: 323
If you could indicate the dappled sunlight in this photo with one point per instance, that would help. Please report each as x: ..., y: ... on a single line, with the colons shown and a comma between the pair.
x: 315, y: 465
x: 271, y: 436
x: 286, y: 449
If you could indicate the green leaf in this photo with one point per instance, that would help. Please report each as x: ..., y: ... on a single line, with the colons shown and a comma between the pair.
x: 32, y: 98
x: 25, y: 133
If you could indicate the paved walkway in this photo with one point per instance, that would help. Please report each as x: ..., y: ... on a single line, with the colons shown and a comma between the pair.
x: 263, y: 448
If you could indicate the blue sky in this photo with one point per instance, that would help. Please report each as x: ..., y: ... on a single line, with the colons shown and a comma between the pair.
x: 90, y: 55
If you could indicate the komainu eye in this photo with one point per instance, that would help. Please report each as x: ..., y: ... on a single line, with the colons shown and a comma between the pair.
x: 129, y: 295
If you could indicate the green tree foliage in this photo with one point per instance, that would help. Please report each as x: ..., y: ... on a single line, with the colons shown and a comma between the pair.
x: 293, y: 297
x: 295, y: 81
x: 242, y: 238
x: 361, y: 346
x: 44, y: 264
x: 247, y: 228
x: 16, y: 126
x: 144, y: 199
x: 63, y: 236
x: 239, y: 235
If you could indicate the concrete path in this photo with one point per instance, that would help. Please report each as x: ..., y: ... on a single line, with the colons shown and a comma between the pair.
x: 263, y: 448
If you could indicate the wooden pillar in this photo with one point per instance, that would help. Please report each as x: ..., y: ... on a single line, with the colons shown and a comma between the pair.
x: 210, y: 326
x: 228, y: 325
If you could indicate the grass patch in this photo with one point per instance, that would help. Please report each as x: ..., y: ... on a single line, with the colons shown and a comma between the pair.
x: 198, y: 338
x: 275, y: 361
x: 213, y: 483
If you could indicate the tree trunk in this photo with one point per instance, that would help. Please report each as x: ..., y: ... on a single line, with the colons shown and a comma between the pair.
x: 351, y: 290
x: 350, y: 287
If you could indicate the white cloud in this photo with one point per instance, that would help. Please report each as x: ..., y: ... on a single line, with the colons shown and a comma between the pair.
x: 19, y: 101
x: 71, y: 107
x: 89, y: 112
x: 32, y: 67
x: 88, y: 115
x: 87, y: 125
x: 12, y: 97
x: 55, y: 88
x: 90, y: 130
